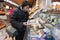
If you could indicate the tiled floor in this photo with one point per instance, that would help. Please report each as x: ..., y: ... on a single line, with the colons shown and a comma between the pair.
x: 5, y: 36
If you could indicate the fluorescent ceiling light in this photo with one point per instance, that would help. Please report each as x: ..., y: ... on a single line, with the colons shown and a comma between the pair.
x: 9, y: 1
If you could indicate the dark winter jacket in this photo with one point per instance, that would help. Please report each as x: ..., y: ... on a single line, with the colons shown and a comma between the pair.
x: 18, y: 17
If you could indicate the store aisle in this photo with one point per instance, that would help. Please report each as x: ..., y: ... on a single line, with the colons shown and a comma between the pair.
x: 3, y: 34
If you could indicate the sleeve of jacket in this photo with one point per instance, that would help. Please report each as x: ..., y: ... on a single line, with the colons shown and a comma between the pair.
x: 16, y: 24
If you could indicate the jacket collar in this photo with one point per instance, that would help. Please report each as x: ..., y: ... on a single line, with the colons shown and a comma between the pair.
x: 20, y: 8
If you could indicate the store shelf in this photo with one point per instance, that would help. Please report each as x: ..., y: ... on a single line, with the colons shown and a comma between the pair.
x: 1, y: 12
x: 53, y: 12
x: 2, y: 24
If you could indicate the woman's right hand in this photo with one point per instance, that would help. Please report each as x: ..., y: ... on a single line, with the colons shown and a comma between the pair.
x: 25, y: 23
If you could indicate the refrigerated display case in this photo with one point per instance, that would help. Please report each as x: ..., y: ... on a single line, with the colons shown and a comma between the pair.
x: 47, y: 22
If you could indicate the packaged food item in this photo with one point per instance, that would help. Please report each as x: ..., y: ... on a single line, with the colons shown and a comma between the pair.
x: 59, y: 21
x: 47, y: 31
x: 49, y: 37
x: 2, y: 35
x: 42, y: 21
x: 2, y: 25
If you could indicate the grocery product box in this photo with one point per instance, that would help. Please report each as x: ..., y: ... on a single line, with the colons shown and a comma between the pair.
x: 34, y: 37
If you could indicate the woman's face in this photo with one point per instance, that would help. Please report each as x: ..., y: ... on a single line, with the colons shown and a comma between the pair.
x: 26, y: 8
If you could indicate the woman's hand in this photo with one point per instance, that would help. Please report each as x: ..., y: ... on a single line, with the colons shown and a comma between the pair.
x: 25, y: 24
